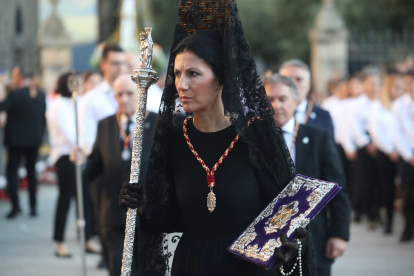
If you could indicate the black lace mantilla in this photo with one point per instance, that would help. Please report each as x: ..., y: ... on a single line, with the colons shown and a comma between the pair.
x: 243, y: 97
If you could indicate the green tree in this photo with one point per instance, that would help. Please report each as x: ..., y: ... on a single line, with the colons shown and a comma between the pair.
x: 165, y: 15
x: 278, y: 30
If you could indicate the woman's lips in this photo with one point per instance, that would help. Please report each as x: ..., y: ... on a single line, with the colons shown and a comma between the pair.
x: 185, y: 99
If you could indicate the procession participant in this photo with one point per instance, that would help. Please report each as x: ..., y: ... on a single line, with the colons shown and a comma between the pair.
x: 348, y: 142
x: 25, y: 108
x: 315, y: 155
x: 367, y: 193
x: 62, y: 130
x: 91, y: 80
x: 110, y: 161
x: 100, y: 102
x: 381, y: 125
x: 307, y: 112
x: 96, y: 105
x: 355, y: 91
x: 216, y: 79
x: 403, y: 110
x: 338, y: 107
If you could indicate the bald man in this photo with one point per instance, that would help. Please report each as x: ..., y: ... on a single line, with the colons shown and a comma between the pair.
x: 110, y: 163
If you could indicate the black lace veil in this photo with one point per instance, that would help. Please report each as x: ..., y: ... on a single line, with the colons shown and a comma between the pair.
x: 243, y: 97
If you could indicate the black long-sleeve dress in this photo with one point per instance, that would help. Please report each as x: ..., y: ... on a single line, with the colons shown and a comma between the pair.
x: 242, y: 192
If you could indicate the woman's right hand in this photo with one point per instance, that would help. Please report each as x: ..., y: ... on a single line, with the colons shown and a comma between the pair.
x: 132, y: 196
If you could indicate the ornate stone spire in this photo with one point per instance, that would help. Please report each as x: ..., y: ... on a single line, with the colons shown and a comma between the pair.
x: 55, y: 48
x: 53, y: 32
x: 329, y: 24
x: 329, y: 47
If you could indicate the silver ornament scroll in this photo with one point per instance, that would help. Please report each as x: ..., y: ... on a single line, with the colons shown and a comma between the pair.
x: 144, y: 77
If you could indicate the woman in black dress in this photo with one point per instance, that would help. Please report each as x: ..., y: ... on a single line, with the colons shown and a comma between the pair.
x: 213, y: 74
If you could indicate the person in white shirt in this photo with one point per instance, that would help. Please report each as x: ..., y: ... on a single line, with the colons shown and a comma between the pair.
x: 355, y: 91
x: 338, y: 105
x: 96, y: 105
x: 403, y: 110
x: 100, y: 102
x: 91, y: 80
x: 335, y: 105
x: 381, y: 128
x: 367, y: 193
x: 61, y: 124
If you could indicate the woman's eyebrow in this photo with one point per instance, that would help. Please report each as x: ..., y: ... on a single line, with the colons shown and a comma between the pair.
x: 192, y: 68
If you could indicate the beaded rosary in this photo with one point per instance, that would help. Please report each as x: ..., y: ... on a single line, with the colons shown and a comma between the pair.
x: 299, y: 261
x: 211, y: 182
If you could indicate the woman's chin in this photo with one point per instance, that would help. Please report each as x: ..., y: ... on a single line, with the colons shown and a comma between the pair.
x: 187, y: 108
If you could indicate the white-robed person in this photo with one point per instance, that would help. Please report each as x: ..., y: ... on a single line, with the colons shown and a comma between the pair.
x: 403, y: 109
x: 382, y: 128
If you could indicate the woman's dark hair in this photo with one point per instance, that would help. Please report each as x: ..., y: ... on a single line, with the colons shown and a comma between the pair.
x: 62, y: 86
x: 208, y: 46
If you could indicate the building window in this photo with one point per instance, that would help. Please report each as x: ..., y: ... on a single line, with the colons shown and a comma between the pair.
x: 19, y: 21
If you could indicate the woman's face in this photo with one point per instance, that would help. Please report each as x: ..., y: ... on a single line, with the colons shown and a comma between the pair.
x: 93, y: 81
x: 196, y: 84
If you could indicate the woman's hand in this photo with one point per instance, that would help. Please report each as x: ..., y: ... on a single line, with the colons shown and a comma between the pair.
x: 77, y: 156
x: 290, y: 248
x: 335, y: 247
x: 132, y: 196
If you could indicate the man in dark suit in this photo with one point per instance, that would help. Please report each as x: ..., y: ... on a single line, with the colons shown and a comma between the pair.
x: 26, y: 122
x: 109, y: 165
x: 314, y: 153
x: 307, y: 113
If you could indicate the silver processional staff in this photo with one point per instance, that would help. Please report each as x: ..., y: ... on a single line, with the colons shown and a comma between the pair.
x: 144, y: 77
x: 74, y: 83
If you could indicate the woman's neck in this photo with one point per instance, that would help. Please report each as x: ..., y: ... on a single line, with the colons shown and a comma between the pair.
x: 211, y: 121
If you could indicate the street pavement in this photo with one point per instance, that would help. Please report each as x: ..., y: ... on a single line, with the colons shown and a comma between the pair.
x: 27, y: 248
x: 26, y: 244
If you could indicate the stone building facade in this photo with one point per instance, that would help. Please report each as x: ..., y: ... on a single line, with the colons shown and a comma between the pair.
x: 18, y: 34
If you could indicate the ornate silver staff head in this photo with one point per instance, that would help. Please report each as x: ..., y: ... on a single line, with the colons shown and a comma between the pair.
x: 74, y: 82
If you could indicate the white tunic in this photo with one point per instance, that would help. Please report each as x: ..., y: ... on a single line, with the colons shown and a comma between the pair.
x: 382, y: 128
x: 359, y: 126
x: 96, y: 105
x: 403, y: 110
x: 60, y: 117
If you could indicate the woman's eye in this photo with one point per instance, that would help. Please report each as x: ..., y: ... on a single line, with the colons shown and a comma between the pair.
x: 177, y: 74
x: 192, y: 73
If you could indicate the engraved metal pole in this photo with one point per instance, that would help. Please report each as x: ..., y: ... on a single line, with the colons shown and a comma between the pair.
x: 144, y: 77
x: 74, y: 82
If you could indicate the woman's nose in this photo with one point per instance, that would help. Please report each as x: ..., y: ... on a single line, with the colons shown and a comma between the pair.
x: 182, y: 84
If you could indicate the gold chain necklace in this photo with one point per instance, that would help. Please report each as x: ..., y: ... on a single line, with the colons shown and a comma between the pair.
x: 211, y: 182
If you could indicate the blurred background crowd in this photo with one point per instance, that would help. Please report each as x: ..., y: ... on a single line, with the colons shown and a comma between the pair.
x: 360, y: 55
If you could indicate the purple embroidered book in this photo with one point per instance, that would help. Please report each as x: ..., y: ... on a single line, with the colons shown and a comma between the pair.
x: 295, y: 206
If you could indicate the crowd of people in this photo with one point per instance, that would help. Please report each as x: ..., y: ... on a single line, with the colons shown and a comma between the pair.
x: 361, y: 137
x: 373, y: 117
